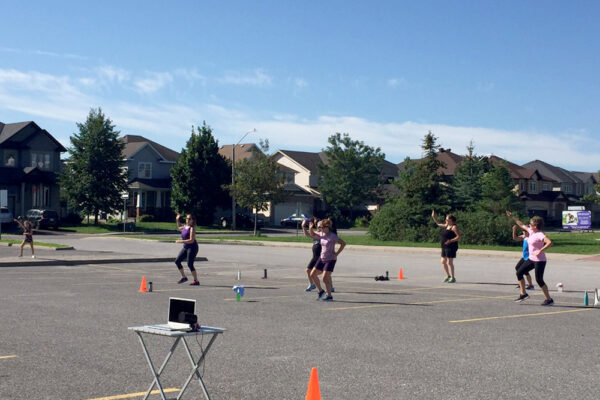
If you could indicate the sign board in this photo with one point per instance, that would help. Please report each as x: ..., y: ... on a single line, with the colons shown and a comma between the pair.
x: 3, y: 198
x: 576, y: 208
x: 577, y: 220
x: 125, y: 196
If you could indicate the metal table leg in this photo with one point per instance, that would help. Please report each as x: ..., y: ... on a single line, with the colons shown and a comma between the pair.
x: 156, y: 375
x: 195, y: 366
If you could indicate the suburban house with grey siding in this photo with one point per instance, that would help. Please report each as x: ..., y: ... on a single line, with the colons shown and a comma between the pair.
x: 148, y: 167
x: 30, y: 166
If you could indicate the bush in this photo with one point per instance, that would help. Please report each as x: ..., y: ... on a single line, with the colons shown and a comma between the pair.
x: 396, y: 221
x: 113, y: 220
x: 362, y: 222
x: 482, y: 227
x: 146, y: 218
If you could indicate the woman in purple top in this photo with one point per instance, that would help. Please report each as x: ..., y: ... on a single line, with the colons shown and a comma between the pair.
x: 328, y: 257
x: 537, y: 243
x: 190, y: 248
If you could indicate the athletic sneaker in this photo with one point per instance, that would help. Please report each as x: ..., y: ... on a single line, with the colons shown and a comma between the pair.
x: 184, y: 279
x: 195, y: 283
x: 332, y: 289
x: 321, y: 294
x: 522, y: 297
x: 310, y: 287
x: 529, y: 287
x: 549, y: 302
x: 447, y: 279
x: 326, y: 298
x: 451, y: 280
x: 32, y: 256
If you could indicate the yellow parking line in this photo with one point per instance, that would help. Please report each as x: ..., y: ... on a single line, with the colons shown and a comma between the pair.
x: 130, y: 395
x: 417, y: 303
x: 5, y: 357
x: 519, y: 315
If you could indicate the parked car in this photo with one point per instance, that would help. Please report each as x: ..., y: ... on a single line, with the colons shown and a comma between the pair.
x: 43, y: 219
x: 294, y: 220
x: 6, y: 216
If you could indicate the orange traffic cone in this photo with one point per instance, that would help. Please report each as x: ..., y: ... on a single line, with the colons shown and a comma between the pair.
x: 313, y: 392
x: 143, y: 287
x: 400, y: 275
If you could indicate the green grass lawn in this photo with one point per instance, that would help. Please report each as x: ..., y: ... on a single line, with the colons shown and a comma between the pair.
x: 140, y: 227
x: 35, y: 243
x: 564, y: 242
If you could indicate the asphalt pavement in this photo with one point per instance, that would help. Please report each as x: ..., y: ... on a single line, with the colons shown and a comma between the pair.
x: 64, y: 327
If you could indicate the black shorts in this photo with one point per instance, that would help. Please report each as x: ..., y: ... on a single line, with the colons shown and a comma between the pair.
x: 312, y: 262
x: 325, y: 265
x: 449, y: 252
x: 520, y: 263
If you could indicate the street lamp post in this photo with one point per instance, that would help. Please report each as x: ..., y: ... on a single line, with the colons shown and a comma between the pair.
x: 233, y: 178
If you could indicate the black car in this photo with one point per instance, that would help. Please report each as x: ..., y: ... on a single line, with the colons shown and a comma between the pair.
x: 43, y: 219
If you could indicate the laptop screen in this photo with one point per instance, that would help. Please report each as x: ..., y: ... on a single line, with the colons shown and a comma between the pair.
x: 177, y: 305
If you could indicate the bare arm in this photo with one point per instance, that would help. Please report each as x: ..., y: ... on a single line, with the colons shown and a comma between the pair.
x: 547, y: 244
x: 304, y: 230
x: 342, y: 245
x: 435, y: 220
x: 514, y: 234
x: 178, y: 222
x: 521, y: 225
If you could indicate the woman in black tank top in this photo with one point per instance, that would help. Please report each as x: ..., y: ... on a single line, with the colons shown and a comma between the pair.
x: 449, y: 237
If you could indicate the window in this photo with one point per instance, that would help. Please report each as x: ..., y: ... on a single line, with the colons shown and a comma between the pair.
x: 40, y: 196
x: 568, y: 188
x: 40, y: 160
x: 145, y: 170
x: 546, y: 187
x: 10, y: 159
x: 533, y: 186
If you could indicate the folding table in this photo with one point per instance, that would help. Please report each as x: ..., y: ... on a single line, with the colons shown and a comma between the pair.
x: 179, y: 337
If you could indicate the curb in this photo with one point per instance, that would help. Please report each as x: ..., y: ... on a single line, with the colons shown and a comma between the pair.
x: 52, y: 248
x: 50, y: 262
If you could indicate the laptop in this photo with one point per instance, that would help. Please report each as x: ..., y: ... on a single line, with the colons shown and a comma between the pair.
x: 176, y: 306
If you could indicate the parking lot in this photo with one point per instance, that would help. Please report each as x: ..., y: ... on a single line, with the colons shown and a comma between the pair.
x: 64, y: 329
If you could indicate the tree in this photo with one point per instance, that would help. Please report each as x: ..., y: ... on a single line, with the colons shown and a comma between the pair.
x: 422, y: 188
x: 198, y: 177
x: 497, y: 191
x: 94, y: 178
x: 258, y: 182
x: 467, y: 180
x: 352, y: 174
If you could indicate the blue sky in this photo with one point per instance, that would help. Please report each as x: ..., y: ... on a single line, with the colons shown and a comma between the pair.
x: 519, y: 78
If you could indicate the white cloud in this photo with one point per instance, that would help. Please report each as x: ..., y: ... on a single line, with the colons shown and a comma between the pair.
x: 112, y: 74
x: 395, y: 82
x: 300, y: 83
x: 154, y: 82
x: 55, y: 99
x: 256, y: 78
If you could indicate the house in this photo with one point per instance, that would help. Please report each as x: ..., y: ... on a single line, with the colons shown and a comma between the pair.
x: 302, y: 181
x: 148, y: 167
x: 30, y: 159
x: 241, y: 151
x: 572, y: 186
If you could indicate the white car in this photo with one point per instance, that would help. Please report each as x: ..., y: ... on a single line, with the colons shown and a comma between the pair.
x: 6, y: 217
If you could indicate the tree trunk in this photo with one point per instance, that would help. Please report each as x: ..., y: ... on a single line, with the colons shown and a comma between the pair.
x: 255, y: 218
x: 96, y: 217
